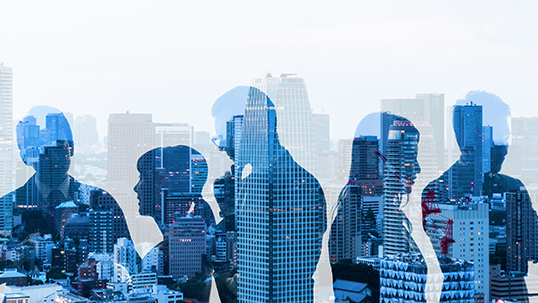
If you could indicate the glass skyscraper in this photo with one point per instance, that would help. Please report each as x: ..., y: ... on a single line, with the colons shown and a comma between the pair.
x: 296, y: 127
x: 402, y: 151
x: 280, y: 211
x: 6, y: 146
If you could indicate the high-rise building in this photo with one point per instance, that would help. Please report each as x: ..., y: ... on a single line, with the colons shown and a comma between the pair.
x: 471, y: 235
x: 100, y: 231
x: 129, y: 136
x: 104, y: 201
x: 401, y: 154
x: 280, y: 209
x: 6, y: 149
x: 187, y: 245
x: 345, y: 148
x: 296, y: 129
x: 345, y: 241
x: 323, y: 132
x: 364, y: 170
x: 467, y: 178
x: 364, y: 180
x: 487, y: 145
x: 521, y: 230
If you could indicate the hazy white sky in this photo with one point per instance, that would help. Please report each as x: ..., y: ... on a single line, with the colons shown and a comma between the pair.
x: 173, y: 59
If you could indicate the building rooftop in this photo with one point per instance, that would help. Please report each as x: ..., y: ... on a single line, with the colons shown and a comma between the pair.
x: 67, y: 204
x: 11, y: 274
x: 349, y: 285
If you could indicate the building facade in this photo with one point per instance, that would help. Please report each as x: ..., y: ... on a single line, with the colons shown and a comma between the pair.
x: 6, y: 149
x: 280, y: 213
x: 187, y: 246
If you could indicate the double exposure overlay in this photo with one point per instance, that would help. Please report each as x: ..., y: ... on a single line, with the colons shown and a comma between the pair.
x: 431, y: 200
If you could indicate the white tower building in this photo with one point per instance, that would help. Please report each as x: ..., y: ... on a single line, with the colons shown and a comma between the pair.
x: 6, y: 149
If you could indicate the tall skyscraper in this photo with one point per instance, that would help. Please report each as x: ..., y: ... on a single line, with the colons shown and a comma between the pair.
x: 322, y: 130
x: 346, y: 241
x: 364, y: 180
x: 468, y: 177
x: 280, y: 210
x: 100, y: 231
x: 6, y: 148
x: 129, y: 136
x: 296, y: 129
x: 487, y: 145
x: 345, y: 147
x: 364, y: 169
x: 402, y: 151
x: 521, y: 220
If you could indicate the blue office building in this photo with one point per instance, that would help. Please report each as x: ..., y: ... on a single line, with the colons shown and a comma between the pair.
x: 280, y: 211
x: 466, y: 178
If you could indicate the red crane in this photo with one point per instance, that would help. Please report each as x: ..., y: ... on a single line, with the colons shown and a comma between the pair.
x: 447, y: 238
x: 429, y: 206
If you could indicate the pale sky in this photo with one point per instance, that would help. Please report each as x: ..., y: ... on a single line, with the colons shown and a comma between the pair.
x: 173, y: 59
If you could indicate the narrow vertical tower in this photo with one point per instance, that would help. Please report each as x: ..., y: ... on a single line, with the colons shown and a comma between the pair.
x: 280, y: 211
x: 6, y: 147
x: 468, y: 128
x: 402, y: 151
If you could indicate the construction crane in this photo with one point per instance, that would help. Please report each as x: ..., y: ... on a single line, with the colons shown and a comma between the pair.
x: 429, y: 206
x: 447, y: 237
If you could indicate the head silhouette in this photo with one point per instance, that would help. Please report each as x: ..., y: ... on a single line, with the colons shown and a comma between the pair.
x: 495, y: 113
x: 230, y: 104
x: 177, y: 169
x: 45, y: 142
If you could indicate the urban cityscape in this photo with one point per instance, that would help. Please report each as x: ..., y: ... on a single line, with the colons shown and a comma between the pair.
x: 430, y: 201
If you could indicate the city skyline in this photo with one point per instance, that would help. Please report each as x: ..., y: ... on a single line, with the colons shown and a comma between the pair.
x: 247, y: 148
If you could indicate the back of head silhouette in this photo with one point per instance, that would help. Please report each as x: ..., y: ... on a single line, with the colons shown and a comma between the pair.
x: 496, y: 114
x: 45, y: 142
x: 230, y: 104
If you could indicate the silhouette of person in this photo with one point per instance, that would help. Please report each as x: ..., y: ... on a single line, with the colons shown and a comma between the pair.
x: 459, y: 183
x: 229, y: 106
x: 171, y: 182
x: 280, y: 215
x: 50, y: 196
